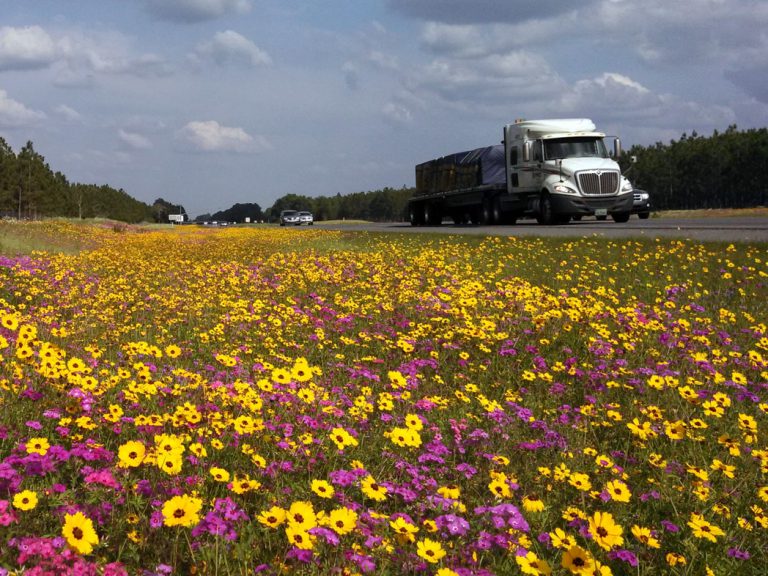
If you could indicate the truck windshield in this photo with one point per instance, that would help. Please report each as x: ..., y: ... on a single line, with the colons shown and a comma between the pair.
x: 586, y: 147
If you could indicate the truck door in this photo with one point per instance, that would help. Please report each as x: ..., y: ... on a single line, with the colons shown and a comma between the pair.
x: 529, y: 170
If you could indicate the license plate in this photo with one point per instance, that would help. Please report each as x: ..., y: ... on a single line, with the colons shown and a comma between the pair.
x: 601, y: 211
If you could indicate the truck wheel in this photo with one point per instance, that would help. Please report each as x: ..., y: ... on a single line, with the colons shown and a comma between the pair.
x: 415, y: 213
x: 498, y: 211
x: 486, y: 217
x: 545, y: 216
x: 620, y: 217
x: 432, y: 216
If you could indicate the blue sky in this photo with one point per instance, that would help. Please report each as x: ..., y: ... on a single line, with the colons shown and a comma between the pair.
x: 208, y: 103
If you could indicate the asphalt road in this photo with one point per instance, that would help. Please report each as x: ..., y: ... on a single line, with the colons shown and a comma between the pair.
x: 749, y: 229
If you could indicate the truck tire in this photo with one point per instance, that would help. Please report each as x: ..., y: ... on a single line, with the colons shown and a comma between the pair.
x: 545, y: 215
x: 486, y: 217
x: 414, y: 215
x: 620, y: 217
x: 432, y: 216
x: 498, y: 212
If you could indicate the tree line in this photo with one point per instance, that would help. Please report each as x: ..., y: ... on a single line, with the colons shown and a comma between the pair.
x: 725, y: 170
x: 30, y: 189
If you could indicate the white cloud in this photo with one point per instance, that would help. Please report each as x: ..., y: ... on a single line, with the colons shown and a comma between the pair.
x: 30, y: 47
x: 67, y: 113
x: 76, y: 57
x: 382, y: 60
x: 188, y: 11
x: 134, y: 140
x: 496, y: 79
x: 484, y: 11
x: 210, y: 136
x: 231, y: 47
x: 626, y: 102
x: 396, y: 114
x: 14, y: 114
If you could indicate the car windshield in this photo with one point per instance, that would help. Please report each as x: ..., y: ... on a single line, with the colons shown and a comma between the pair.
x: 585, y: 147
x: 304, y: 214
x: 290, y: 213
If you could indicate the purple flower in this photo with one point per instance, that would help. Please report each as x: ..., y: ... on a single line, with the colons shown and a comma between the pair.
x: 738, y: 554
x: 670, y: 526
x: 625, y: 556
x: 453, y: 524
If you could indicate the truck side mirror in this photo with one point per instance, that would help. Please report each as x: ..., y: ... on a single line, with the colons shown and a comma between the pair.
x: 527, y: 151
x: 617, y: 148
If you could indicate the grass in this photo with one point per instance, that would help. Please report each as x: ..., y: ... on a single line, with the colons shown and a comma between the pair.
x: 224, y: 401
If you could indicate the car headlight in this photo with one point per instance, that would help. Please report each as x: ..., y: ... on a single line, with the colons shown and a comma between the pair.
x: 644, y: 196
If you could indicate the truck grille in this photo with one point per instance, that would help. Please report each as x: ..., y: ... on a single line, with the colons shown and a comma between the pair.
x: 598, y: 183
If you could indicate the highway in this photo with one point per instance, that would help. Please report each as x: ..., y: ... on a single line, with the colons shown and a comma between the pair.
x: 750, y: 229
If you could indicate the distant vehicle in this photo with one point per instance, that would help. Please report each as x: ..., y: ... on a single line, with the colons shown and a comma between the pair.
x: 306, y: 218
x: 290, y: 218
x: 641, y: 204
x: 553, y: 170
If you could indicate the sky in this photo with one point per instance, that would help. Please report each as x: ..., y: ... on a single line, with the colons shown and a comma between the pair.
x: 209, y: 103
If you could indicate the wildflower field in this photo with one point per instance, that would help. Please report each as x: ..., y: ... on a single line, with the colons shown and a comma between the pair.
x: 280, y: 401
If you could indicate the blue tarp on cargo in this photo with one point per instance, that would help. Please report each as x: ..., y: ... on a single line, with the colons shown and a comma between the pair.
x: 468, y: 169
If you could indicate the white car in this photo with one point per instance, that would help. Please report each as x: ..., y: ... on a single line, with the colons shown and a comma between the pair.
x: 306, y: 218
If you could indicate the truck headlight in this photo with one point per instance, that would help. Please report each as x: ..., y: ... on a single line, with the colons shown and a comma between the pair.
x: 626, y: 185
x: 563, y: 189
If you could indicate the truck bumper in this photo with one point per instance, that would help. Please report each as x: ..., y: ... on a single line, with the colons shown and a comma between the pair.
x: 581, y: 206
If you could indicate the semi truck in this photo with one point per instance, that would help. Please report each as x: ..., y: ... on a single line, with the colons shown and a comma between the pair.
x: 553, y: 170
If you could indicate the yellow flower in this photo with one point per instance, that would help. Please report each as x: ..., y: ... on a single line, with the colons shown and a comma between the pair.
x: 38, y: 446
x: 703, y: 529
x: 131, y: 454
x: 578, y: 561
x: 645, y: 535
x: 533, y: 504
x: 562, y: 540
x: 79, y: 533
x: 580, y: 481
x: 532, y: 564
x: 322, y: 488
x: 499, y: 487
x: 605, y: 531
x: 342, y: 438
x: 430, y: 550
x: 413, y: 422
x: 172, y: 351
x: 301, y: 516
x: 404, y: 529
x: 273, y: 517
x: 372, y: 489
x: 618, y: 490
x: 219, y: 474
x: 182, y: 510
x: 451, y: 491
x: 342, y: 520
x: 25, y: 500
x: 299, y: 538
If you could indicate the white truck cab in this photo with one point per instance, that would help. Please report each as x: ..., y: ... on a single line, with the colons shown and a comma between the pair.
x: 563, y: 170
